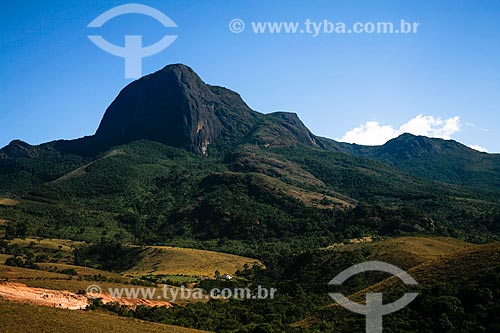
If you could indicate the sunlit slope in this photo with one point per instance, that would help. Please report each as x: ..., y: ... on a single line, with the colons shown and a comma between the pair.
x: 18, y: 317
x: 165, y: 260
x: 448, y: 272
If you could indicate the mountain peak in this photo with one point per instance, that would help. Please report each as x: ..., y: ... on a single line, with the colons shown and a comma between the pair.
x: 178, y: 68
x: 174, y: 106
x: 417, y: 145
x: 296, y: 128
x: 180, y: 72
x: 18, y: 149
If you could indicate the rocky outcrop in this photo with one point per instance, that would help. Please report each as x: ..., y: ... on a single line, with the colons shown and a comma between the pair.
x: 176, y: 107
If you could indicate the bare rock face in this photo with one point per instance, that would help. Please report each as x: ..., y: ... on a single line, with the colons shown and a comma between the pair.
x: 176, y: 107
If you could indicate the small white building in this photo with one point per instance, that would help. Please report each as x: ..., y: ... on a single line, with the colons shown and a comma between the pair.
x: 226, y: 277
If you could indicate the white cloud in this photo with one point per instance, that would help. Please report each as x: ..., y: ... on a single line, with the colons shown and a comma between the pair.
x: 372, y: 133
x: 478, y: 148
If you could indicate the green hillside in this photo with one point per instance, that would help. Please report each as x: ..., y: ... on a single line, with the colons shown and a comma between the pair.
x: 458, y: 288
x: 436, y: 159
x: 147, y: 192
x: 177, y: 161
x: 458, y: 292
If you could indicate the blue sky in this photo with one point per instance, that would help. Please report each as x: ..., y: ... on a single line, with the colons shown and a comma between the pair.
x: 442, y: 81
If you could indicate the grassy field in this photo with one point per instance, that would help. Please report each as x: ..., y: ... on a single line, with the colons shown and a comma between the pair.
x: 429, y: 260
x: 156, y: 260
x: 3, y: 257
x: 56, y: 250
x: 83, y: 271
x: 173, y: 265
x: 48, y: 244
x: 407, y: 252
x: 52, y: 280
x: 17, y: 317
x: 164, y: 260
x: 458, y: 266
x: 8, y: 202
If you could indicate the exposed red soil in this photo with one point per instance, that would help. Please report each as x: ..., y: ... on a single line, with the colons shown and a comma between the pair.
x: 64, y: 299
